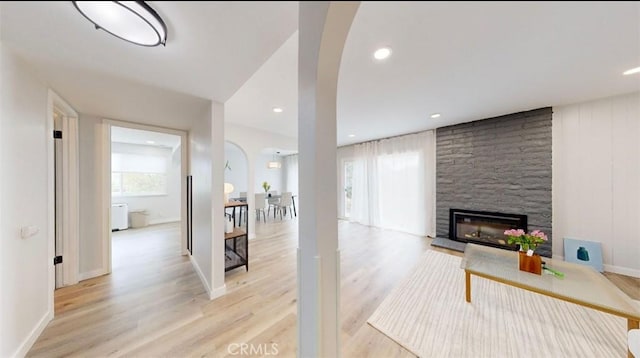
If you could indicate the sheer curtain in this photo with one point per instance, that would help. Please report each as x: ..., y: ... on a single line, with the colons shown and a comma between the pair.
x: 394, y: 183
x: 291, y: 173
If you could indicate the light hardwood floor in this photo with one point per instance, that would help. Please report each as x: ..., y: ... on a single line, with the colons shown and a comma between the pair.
x: 153, y: 305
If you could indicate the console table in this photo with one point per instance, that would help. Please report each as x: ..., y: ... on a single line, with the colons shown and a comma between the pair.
x: 236, y: 243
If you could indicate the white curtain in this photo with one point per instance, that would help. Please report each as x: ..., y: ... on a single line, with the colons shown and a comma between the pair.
x: 394, y: 183
x: 291, y: 173
x: 139, y: 163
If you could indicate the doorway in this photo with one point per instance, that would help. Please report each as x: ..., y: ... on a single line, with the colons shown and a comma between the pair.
x: 65, y: 172
x: 146, y: 210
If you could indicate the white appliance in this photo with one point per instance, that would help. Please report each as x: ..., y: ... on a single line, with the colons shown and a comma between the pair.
x: 119, y: 216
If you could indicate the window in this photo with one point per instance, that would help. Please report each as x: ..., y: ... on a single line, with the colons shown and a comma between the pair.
x: 138, y: 175
x: 138, y: 184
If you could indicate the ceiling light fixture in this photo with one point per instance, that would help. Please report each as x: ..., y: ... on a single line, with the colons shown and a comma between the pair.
x: 631, y: 71
x: 274, y: 164
x: 435, y: 115
x: 351, y: 135
x: 382, y: 53
x: 132, y: 21
x: 151, y: 142
x: 277, y: 109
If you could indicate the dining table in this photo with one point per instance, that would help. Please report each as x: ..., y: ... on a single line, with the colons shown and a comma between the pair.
x: 272, y: 196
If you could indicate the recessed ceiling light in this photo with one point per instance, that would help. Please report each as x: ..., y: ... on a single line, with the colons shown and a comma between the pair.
x: 351, y: 135
x: 151, y: 142
x: 382, y: 53
x: 277, y: 109
x: 435, y: 115
x: 632, y: 71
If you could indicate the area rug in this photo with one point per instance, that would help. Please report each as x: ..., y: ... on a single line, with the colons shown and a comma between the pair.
x: 427, y: 314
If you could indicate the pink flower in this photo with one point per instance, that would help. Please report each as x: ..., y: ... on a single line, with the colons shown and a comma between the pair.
x: 526, y: 241
x: 540, y: 234
x: 514, y: 232
x: 543, y: 236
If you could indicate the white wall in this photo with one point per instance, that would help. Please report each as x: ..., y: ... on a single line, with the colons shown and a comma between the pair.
x: 206, y: 146
x: 160, y: 208
x: 217, y: 201
x: 25, y: 141
x: 90, y: 132
x: 596, y: 178
x: 238, y: 174
x: 200, y: 170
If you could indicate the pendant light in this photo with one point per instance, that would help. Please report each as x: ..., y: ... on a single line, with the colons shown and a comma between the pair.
x: 274, y: 164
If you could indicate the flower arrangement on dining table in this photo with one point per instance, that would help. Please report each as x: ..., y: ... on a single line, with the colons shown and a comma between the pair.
x: 526, y: 241
x: 266, y: 187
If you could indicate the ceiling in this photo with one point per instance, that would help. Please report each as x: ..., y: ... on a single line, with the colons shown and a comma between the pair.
x: 474, y: 60
x: 212, y: 49
x: 465, y: 60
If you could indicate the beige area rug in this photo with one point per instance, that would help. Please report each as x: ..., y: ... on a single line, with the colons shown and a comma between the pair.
x: 428, y: 315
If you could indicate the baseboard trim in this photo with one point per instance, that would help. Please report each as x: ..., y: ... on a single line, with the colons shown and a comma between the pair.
x: 218, y: 292
x: 611, y: 268
x: 622, y: 271
x: 91, y: 274
x: 163, y: 221
x: 33, y: 336
x: 194, y: 263
x: 213, y: 294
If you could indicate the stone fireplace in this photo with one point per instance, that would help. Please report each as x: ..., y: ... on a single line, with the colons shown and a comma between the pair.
x: 496, y: 165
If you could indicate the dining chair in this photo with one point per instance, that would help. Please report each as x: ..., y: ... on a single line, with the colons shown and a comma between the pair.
x: 273, y: 203
x: 260, y: 205
x: 243, y: 197
x: 286, y: 202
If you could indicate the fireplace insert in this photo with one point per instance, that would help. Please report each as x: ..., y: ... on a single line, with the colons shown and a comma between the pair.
x: 484, y: 227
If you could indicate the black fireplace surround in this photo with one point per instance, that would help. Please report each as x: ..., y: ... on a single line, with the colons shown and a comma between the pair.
x: 484, y: 227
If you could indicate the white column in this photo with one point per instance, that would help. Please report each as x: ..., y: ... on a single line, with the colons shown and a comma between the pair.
x: 251, y: 192
x: 217, y: 199
x: 323, y: 28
